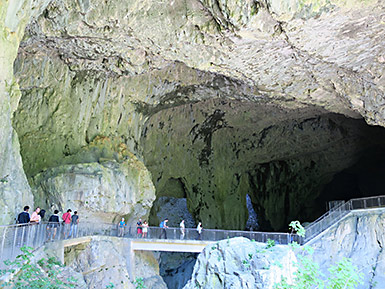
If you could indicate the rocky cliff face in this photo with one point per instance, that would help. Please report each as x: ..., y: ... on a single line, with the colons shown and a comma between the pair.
x: 241, y: 263
x: 106, y: 260
x: 360, y: 236
x: 216, y: 99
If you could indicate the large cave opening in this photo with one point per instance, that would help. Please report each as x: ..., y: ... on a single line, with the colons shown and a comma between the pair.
x: 290, y: 161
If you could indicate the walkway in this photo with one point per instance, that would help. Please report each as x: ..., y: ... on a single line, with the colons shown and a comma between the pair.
x: 14, y: 236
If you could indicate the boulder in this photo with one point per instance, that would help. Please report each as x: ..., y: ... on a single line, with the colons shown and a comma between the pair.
x: 241, y: 263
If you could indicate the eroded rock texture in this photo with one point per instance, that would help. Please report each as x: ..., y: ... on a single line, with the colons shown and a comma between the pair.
x: 217, y: 99
x: 106, y: 260
x: 240, y: 263
x: 360, y: 237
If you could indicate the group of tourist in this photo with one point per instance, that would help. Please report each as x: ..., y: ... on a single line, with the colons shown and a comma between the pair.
x: 142, y: 229
x: 70, y: 222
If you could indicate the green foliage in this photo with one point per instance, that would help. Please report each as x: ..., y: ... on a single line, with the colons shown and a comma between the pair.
x: 4, y: 180
x: 246, y: 264
x: 270, y: 243
x: 344, y: 275
x: 296, y: 226
x: 139, y: 283
x: 43, y: 274
x: 110, y: 286
x: 308, y: 276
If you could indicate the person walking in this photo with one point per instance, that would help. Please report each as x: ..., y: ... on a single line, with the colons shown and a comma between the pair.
x: 121, y: 226
x: 74, y: 225
x: 182, y: 229
x: 53, y: 224
x: 145, y: 229
x: 139, y: 228
x: 199, y: 230
x: 67, y: 223
x: 163, y: 226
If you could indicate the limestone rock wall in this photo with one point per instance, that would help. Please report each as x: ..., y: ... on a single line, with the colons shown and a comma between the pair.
x: 240, y: 263
x: 106, y: 260
x: 100, y: 192
x: 360, y: 237
x: 14, y: 189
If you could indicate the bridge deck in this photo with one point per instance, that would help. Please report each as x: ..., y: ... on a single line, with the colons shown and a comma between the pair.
x: 168, y: 245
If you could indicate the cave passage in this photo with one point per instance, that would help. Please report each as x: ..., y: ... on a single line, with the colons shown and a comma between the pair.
x: 290, y: 162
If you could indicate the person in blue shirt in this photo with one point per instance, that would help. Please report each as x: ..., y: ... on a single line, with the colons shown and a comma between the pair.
x: 121, y: 226
x: 163, y: 226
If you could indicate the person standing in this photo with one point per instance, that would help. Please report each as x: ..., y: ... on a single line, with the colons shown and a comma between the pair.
x: 74, y: 225
x: 53, y: 224
x: 23, y: 217
x: 22, y: 231
x: 199, y: 230
x: 139, y: 228
x: 42, y: 214
x: 145, y: 229
x: 121, y: 226
x: 35, y: 217
x: 182, y: 229
x: 67, y: 223
x: 163, y: 226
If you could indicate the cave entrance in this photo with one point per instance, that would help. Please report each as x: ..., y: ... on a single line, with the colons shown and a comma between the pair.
x: 289, y: 161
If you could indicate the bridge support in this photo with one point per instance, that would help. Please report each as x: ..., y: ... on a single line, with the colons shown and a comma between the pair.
x: 131, y: 256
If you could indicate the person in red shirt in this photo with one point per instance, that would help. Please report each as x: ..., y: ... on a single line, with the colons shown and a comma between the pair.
x: 67, y: 223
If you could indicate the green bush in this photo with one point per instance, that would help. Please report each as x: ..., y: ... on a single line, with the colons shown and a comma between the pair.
x: 139, y: 283
x: 27, y: 275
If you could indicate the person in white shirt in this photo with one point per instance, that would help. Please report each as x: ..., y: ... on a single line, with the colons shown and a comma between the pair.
x: 199, y: 230
x: 182, y: 230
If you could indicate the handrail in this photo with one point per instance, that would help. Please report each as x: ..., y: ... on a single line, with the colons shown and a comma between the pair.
x: 340, y: 211
x: 12, y: 237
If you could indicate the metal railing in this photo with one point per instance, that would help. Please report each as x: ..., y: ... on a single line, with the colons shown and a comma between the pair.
x: 13, y: 237
x: 337, y: 213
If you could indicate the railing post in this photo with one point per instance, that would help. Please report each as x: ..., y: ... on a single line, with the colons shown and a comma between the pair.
x: 364, y: 203
x: 3, y: 242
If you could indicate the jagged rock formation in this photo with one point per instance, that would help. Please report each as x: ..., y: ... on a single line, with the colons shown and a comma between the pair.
x: 217, y: 99
x: 240, y: 263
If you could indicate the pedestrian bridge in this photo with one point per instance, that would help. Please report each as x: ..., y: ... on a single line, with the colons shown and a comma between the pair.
x: 58, y: 248
x: 13, y: 237
x: 192, y: 246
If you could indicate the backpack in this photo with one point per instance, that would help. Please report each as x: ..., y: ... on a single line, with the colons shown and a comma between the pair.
x: 161, y: 224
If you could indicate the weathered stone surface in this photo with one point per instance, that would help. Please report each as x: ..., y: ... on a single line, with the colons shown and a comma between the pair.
x: 106, y: 260
x: 100, y: 192
x: 14, y: 189
x: 361, y: 237
x: 240, y: 263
